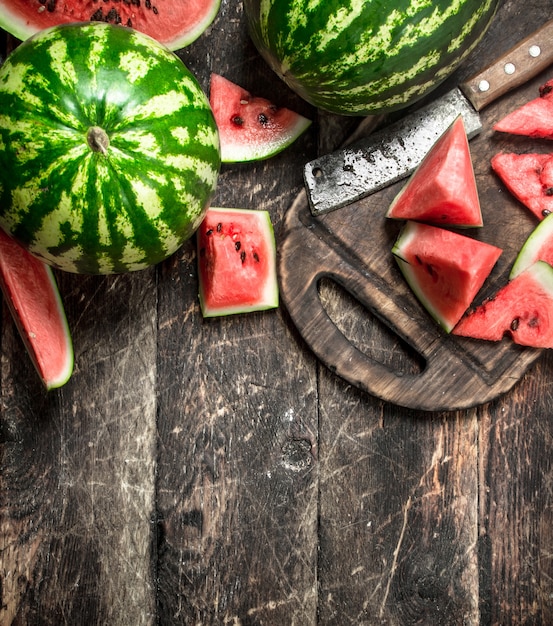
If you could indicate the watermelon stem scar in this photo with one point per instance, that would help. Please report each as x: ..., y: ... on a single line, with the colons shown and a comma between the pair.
x: 98, y: 139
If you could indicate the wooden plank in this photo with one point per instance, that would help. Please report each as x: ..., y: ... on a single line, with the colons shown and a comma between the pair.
x: 236, y: 478
x: 516, y: 495
x: 77, y: 464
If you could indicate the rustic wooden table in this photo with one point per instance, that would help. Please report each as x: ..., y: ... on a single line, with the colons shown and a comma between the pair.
x: 214, y: 472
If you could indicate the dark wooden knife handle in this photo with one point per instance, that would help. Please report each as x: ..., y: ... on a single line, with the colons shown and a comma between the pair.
x: 521, y: 63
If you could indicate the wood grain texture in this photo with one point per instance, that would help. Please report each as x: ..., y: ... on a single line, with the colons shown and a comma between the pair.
x: 237, y: 497
x: 516, y: 540
x: 398, y: 507
x: 215, y: 472
x: 78, y: 465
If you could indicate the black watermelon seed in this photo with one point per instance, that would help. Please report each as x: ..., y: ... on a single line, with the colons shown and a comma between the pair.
x: 237, y: 246
x: 113, y: 17
x: 256, y: 257
x: 430, y: 269
x: 242, y: 256
x: 515, y: 323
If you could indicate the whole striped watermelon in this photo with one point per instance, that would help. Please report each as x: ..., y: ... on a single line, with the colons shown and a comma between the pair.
x: 360, y: 57
x: 109, y: 151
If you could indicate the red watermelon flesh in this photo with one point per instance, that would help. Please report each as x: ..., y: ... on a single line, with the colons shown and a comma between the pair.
x: 175, y: 23
x: 444, y: 269
x: 442, y: 190
x: 32, y: 295
x: 522, y: 309
x: 538, y: 247
x: 533, y: 119
x: 251, y: 128
x: 529, y: 177
x: 236, y: 262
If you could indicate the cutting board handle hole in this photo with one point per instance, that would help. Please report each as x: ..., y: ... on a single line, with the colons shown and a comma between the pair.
x: 366, y: 332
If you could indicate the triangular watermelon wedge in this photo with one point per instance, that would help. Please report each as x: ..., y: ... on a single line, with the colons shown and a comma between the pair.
x: 522, y: 309
x: 32, y: 295
x: 444, y: 269
x: 251, y: 128
x: 442, y: 190
x: 529, y: 177
x: 533, y: 119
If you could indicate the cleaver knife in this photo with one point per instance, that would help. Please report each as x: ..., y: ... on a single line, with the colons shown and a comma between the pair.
x: 392, y: 153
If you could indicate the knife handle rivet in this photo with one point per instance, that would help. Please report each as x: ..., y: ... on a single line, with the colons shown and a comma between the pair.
x: 534, y: 51
x: 483, y: 85
x: 509, y: 68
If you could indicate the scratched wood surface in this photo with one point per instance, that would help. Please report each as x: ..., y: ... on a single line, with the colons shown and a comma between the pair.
x: 213, y: 472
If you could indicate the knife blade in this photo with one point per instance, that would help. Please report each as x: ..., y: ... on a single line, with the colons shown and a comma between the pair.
x: 392, y: 153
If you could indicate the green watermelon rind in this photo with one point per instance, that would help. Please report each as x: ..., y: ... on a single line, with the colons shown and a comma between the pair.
x: 406, y: 236
x: 82, y: 211
x: 412, y: 281
x: 195, y: 33
x: 239, y: 152
x: 360, y: 58
x: 270, y: 298
x: 22, y: 27
x: 541, y: 236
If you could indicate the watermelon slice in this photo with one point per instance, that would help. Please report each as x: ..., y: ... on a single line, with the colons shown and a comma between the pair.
x: 251, y: 128
x: 236, y: 262
x: 32, y: 295
x: 529, y: 177
x: 533, y: 119
x: 522, y: 309
x: 175, y: 23
x: 444, y: 269
x: 442, y: 190
x: 538, y: 247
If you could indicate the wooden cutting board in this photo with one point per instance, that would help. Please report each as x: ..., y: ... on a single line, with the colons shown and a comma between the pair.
x: 351, y: 248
